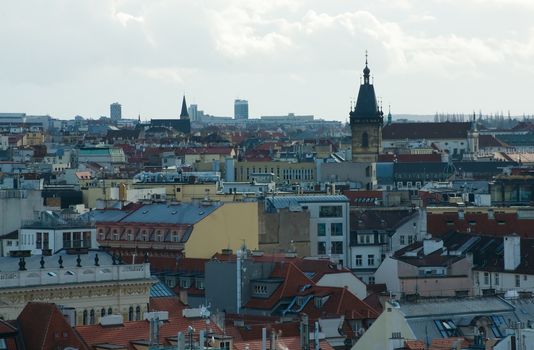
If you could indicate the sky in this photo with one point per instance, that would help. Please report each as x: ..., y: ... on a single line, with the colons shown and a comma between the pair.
x: 67, y: 58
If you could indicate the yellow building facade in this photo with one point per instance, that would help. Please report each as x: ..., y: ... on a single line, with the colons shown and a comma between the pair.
x: 230, y: 226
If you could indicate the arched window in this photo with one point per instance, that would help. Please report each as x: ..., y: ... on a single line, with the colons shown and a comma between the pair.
x: 130, y: 314
x: 365, y: 140
x: 138, y: 313
x: 85, y: 318
x: 110, y: 311
x: 102, y: 312
x: 92, y: 317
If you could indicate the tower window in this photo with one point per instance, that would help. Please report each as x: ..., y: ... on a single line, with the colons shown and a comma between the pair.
x: 365, y: 140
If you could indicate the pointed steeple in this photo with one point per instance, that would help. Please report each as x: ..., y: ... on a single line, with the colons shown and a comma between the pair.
x: 366, y: 103
x: 366, y: 71
x: 184, y: 114
x: 390, y: 118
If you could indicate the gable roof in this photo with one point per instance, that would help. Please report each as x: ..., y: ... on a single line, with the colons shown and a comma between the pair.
x: 428, y: 131
x: 39, y: 322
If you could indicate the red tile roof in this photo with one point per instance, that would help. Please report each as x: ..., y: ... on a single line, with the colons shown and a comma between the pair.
x: 448, y: 343
x: 44, y: 327
x: 414, y: 344
x: 440, y: 224
x: 139, y: 330
x: 363, y: 198
x: 292, y: 343
x: 428, y: 131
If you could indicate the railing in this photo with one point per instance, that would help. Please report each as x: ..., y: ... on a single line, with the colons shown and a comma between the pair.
x: 68, y: 275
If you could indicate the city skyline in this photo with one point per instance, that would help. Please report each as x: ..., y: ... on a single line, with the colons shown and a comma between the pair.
x: 284, y: 56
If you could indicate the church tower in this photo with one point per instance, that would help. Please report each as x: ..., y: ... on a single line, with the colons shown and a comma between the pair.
x: 184, y: 114
x: 366, y: 122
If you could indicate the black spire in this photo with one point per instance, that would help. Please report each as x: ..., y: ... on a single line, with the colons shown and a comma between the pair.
x: 366, y: 104
x: 184, y: 114
x: 366, y: 71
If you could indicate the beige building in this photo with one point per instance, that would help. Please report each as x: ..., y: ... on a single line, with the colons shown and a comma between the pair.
x: 285, y: 172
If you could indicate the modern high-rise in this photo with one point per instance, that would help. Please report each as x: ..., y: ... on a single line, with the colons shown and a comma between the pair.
x: 115, y: 111
x: 240, y: 109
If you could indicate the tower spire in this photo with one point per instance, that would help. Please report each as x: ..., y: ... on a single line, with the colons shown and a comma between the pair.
x: 366, y: 71
x: 184, y: 114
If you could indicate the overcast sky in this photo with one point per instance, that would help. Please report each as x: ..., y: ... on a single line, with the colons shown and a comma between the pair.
x: 64, y: 57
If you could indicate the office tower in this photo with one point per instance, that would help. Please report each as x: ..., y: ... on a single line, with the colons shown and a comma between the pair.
x: 240, y: 109
x: 115, y: 111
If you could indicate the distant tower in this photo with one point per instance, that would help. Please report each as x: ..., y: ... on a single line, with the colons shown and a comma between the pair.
x: 473, y: 136
x: 240, y: 109
x: 115, y: 111
x: 366, y: 122
x: 193, y: 112
x: 184, y: 114
x: 390, y: 118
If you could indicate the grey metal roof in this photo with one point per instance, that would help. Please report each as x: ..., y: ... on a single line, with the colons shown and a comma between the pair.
x: 436, y: 308
x: 423, y: 315
x: 183, y: 213
x: 159, y: 289
x: 286, y: 201
x: 107, y: 215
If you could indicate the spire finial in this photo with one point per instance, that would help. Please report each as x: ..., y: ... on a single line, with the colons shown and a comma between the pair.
x: 366, y: 53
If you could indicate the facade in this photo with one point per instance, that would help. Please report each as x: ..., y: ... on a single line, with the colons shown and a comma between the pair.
x: 115, y: 111
x: 457, y: 138
x: 366, y: 123
x: 429, y: 269
x: 240, y: 109
x: 327, y: 217
x: 107, y: 157
x: 16, y: 206
x: 376, y: 233
x: 285, y: 172
x: 197, y: 230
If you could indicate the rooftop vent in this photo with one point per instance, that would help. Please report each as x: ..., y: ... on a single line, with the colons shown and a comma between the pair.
x: 111, y: 320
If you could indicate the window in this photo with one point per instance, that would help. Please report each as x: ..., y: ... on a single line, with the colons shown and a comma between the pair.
x: 524, y: 277
x: 138, y: 313
x: 358, y: 261
x: 477, y: 277
x: 86, y: 239
x: 185, y: 283
x: 67, y: 240
x: 410, y: 239
x: 76, y: 239
x: 371, y: 260
x: 336, y: 229
x: 321, y: 248
x: 337, y: 248
x: 330, y: 211
x: 497, y: 279
x: 85, y: 317
x: 402, y: 240
x: 367, y: 239
x: 365, y: 140
x: 199, y: 283
x: 102, y: 312
x: 92, y: 317
x: 41, y: 241
x: 371, y: 280
x: 321, y: 229
x: 517, y: 281
x: 486, y: 277
x: 131, y: 314
x: 110, y: 311
x: 260, y: 289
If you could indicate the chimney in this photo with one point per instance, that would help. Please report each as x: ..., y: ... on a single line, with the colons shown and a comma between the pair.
x: 264, y: 338
x: 512, y: 252
x: 183, y: 297
x: 304, y: 332
x: 430, y: 245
